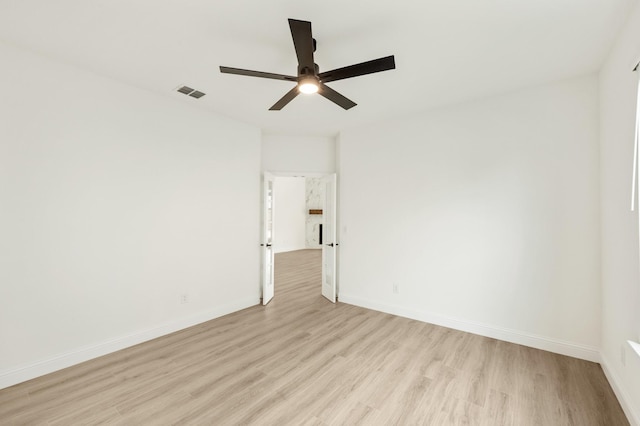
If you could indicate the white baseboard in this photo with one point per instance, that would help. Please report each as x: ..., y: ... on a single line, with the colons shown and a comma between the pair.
x: 575, y: 350
x: 27, y: 372
x: 633, y: 413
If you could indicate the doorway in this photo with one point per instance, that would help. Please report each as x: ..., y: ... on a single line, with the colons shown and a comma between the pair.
x: 299, y: 212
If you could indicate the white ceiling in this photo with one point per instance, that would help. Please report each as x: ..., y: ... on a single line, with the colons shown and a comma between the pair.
x: 446, y: 51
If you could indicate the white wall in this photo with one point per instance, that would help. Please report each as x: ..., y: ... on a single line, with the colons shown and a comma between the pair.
x: 620, y: 265
x: 315, y: 201
x: 298, y: 154
x: 114, y: 203
x: 289, y: 214
x: 484, y: 214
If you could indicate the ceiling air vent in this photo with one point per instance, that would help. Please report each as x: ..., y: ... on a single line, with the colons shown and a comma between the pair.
x: 191, y: 92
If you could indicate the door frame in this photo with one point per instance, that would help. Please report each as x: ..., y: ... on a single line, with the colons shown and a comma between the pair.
x: 337, y: 217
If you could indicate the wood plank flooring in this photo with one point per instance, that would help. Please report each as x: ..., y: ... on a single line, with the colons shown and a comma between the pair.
x: 304, y: 361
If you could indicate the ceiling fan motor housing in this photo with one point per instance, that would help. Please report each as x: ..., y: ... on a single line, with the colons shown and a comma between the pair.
x: 306, y: 71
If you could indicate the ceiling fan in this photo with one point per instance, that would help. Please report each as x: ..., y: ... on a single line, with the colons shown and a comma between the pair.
x: 310, y: 79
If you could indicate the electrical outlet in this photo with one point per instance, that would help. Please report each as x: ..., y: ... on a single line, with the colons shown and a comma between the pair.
x: 396, y: 290
x: 184, y: 298
x: 623, y: 355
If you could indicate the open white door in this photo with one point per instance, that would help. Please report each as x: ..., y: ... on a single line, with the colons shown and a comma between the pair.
x: 267, y: 238
x: 330, y: 244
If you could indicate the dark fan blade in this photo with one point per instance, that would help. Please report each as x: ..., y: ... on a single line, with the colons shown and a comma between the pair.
x: 250, y: 73
x: 369, y: 67
x: 303, y: 43
x: 285, y: 99
x: 335, y: 97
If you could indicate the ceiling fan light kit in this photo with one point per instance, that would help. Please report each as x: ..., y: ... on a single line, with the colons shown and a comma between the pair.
x: 310, y: 79
x: 308, y: 85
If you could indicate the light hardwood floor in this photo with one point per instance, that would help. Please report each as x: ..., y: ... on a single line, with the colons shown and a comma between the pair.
x: 304, y: 361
